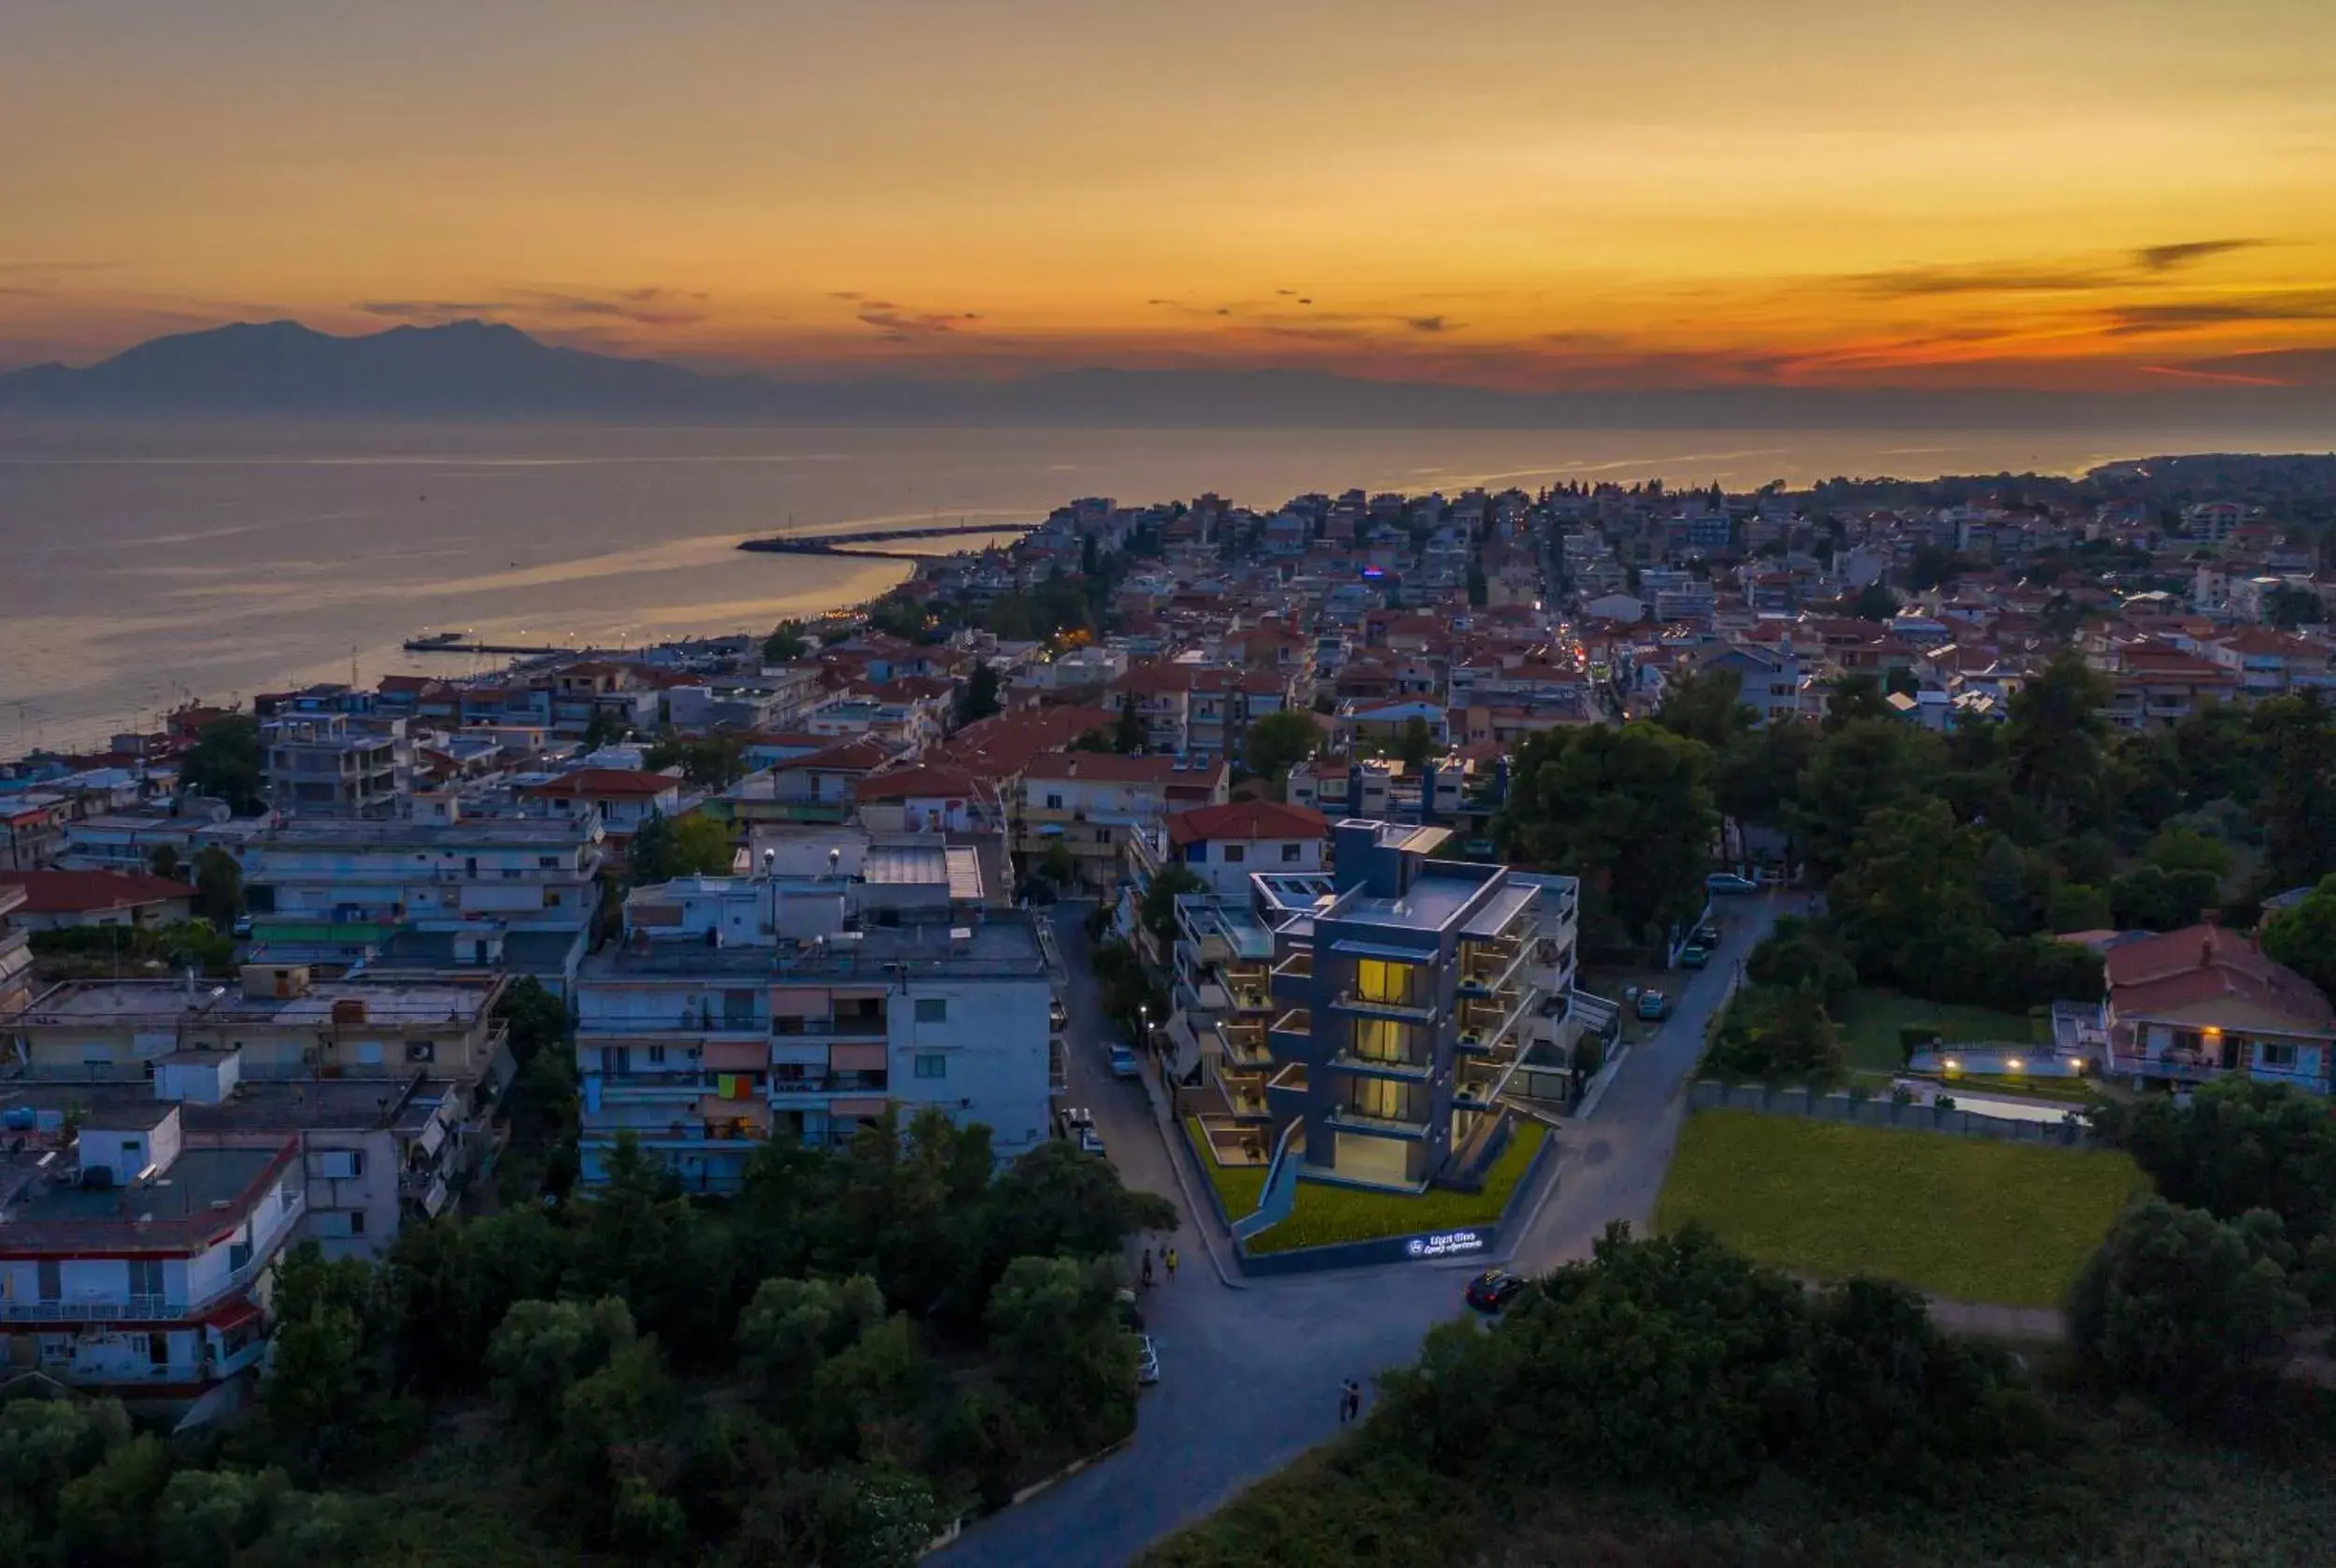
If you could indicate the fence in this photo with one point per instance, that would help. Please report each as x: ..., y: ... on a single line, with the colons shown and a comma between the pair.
x: 1709, y: 1094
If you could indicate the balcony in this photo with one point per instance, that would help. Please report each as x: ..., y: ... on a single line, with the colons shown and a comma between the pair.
x: 875, y: 1026
x: 1408, y: 1011
x: 1346, y: 1119
x: 1245, y: 1044
x: 1292, y: 1033
x: 1382, y: 1067
x: 1489, y: 967
x: 1483, y: 1026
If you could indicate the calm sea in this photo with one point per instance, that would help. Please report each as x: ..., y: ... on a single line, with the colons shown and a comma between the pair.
x: 149, y: 563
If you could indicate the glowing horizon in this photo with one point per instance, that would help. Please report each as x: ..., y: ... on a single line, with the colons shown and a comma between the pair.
x: 1508, y: 193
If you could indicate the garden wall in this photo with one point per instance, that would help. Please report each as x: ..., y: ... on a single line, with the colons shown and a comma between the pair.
x: 1423, y: 1247
x: 1711, y: 1094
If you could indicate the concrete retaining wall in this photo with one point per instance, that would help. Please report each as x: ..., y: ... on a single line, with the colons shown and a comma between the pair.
x: 1424, y: 1246
x: 1711, y: 1094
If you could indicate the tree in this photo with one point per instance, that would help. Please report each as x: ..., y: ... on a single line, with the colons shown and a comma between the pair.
x: 2192, y: 1311
x: 1875, y: 603
x: 1280, y: 741
x: 1859, y: 766
x: 2288, y: 607
x: 1127, y: 738
x: 218, y: 888
x: 2237, y: 1146
x: 1758, y: 778
x: 1479, y: 591
x: 1707, y: 706
x: 978, y: 697
x: 786, y: 644
x: 1931, y: 567
x: 2055, y: 735
x: 1855, y: 697
x: 652, y: 856
x: 1627, y: 810
x: 1058, y: 864
x: 226, y: 763
x: 711, y: 762
x: 2155, y: 899
x: 1415, y: 743
x: 792, y: 1325
x: 2072, y: 906
x: 543, y: 1348
x: 602, y: 728
x: 163, y: 861
x: 1157, y: 910
x: 2295, y: 744
x: 702, y: 847
x: 2304, y: 936
x: 1064, y: 1351
x: 1802, y: 955
x: 329, y: 1368
x: 1776, y: 1034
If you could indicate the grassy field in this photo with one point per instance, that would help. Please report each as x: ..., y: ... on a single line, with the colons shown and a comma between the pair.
x: 1869, y: 1018
x: 1962, y: 1217
x: 1326, y: 1215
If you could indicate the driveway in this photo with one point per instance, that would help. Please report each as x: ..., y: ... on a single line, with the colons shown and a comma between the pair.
x: 1250, y: 1375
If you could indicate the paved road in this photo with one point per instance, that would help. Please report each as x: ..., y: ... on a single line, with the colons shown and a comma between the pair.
x: 1249, y: 1376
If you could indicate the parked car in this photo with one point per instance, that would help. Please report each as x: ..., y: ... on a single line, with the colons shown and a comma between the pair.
x: 1091, y: 1142
x: 242, y: 927
x: 1694, y: 956
x: 1729, y: 882
x: 1653, y: 1005
x: 1122, y: 1060
x: 1493, y: 1290
x: 1146, y: 1360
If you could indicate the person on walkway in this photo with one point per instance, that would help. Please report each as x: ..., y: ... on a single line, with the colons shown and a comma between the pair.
x: 1148, y: 1265
x: 1171, y: 1261
x: 1349, y: 1400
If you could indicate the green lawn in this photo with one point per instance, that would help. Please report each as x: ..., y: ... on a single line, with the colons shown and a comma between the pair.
x: 1869, y: 1018
x: 1963, y: 1218
x: 1325, y: 1214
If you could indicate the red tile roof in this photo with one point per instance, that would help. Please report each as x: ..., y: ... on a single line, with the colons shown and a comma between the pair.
x: 80, y: 892
x: 613, y: 783
x: 1108, y: 767
x: 916, y: 783
x: 2204, y: 963
x: 1247, y: 820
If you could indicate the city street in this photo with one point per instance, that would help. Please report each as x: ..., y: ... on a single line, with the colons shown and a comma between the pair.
x: 1249, y: 1374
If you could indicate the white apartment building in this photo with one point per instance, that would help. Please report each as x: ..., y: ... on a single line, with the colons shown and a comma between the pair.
x: 498, y: 892
x: 135, y: 1262
x: 801, y: 1006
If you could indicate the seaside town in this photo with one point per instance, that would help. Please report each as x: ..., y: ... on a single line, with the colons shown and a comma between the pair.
x: 1334, y: 870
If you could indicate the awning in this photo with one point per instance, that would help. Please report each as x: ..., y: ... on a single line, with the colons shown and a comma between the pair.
x: 861, y: 1056
x: 857, y: 1107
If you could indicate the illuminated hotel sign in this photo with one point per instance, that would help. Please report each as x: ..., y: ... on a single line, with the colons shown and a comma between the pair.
x: 1451, y: 1243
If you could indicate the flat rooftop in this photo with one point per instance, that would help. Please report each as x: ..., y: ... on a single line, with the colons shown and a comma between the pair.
x: 102, y: 1004
x: 1003, y: 944
x: 173, y: 1213
x: 322, y: 833
x: 1430, y: 904
x: 256, y: 1105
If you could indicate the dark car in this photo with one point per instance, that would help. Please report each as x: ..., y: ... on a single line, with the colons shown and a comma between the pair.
x: 1493, y: 1290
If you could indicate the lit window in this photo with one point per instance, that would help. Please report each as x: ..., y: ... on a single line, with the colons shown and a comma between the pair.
x: 1379, y: 980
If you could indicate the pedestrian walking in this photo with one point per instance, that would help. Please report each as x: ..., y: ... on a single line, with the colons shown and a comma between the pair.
x: 1349, y: 1400
x: 1172, y: 1265
x: 1148, y: 1265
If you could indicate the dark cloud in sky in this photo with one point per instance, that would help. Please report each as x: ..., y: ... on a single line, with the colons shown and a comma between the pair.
x: 2134, y: 320
x: 1426, y: 324
x: 2160, y: 258
x: 1918, y: 282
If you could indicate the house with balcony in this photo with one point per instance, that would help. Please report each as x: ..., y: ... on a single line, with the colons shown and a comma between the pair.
x: 1092, y: 801
x: 16, y: 950
x: 64, y: 899
x: 136, y: 1263
x: 619, y: 799
x: 1411, y: 994
x: 322, y: 765
x: 1222, y: 844
x: 443, y: 889
x: 375, y: 1153
x: 799, y: 1005
x: 282, y: 1024
x: 2191, y: 1006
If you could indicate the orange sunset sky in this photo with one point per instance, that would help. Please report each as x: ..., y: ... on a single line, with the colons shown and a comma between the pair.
x: 2109, y: 193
